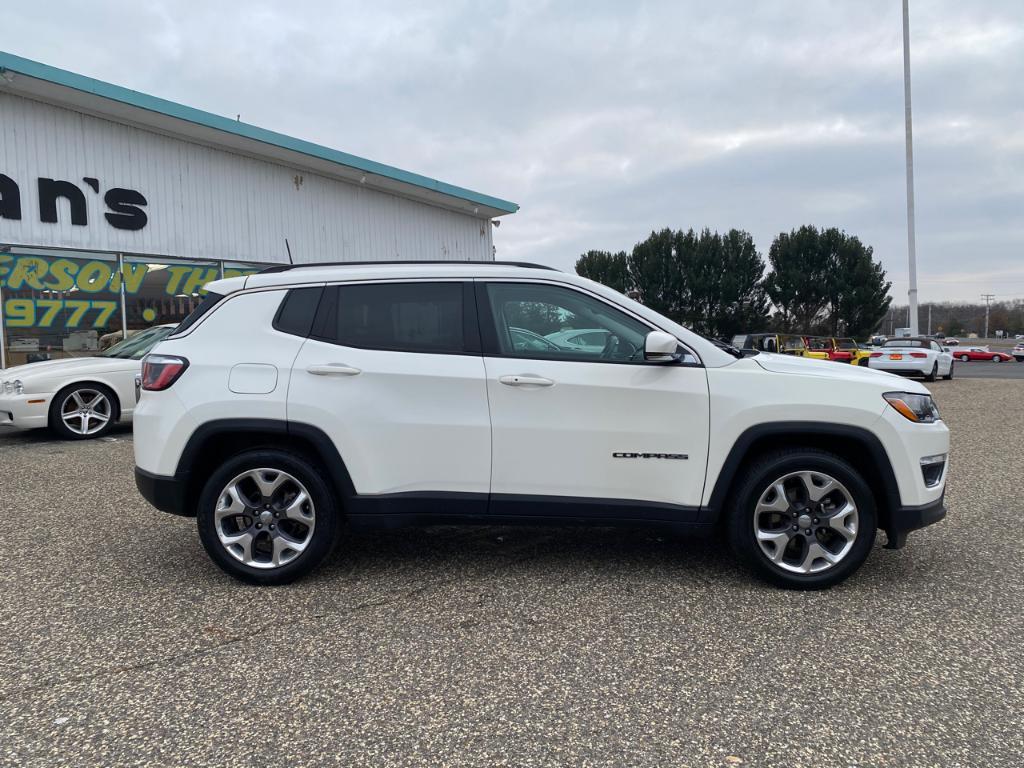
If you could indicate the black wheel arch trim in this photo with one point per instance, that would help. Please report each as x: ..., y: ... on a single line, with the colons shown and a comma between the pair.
x: 888, y: 498
x: 157, y: 488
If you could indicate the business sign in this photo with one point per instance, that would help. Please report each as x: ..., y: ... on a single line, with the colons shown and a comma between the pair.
x: 77, y: 292
x: 124, y: 206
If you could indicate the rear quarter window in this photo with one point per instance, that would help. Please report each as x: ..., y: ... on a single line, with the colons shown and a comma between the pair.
x: 298, y: 309
x: 205, y: 306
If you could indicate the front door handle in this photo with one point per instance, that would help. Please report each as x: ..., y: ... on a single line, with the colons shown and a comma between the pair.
x: 525, y: 380
x: 333, y: 369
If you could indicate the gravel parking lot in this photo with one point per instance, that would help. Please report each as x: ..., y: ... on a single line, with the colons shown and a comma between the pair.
x: 121, y: 644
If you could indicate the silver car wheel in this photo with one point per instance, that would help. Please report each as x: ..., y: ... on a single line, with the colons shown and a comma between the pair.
x: 265, y: 518
x: 86, y: 411
x: 806, y: 522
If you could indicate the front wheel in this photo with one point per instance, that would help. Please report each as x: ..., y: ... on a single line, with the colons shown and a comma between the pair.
x: 803, y: 519
x: 267, y: 517
x: 996, y: 359
x: 83, y: 412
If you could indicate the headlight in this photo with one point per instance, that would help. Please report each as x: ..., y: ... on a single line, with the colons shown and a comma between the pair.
x: 13, y: 386
x: 18, y: 387
x: 8, y: 387
x: 919, y: 408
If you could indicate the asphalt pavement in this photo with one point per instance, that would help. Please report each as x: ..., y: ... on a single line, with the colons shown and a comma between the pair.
x: 121, y: 644
x: 977, y: 369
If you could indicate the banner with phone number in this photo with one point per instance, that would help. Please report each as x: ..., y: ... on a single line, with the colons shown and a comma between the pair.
x: 60, y: 275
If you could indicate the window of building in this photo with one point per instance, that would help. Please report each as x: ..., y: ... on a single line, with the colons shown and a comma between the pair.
x: 58, y: 305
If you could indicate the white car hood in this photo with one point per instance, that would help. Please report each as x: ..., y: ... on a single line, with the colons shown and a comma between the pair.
x: 71, y: 365
x: 828, y: 369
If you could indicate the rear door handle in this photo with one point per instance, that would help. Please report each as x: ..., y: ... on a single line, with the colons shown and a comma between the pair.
x: 521, y: 380
x: 333, y: 369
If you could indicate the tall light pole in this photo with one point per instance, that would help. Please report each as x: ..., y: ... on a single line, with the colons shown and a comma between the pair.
x: 987, y: 298
x: 911, y: 245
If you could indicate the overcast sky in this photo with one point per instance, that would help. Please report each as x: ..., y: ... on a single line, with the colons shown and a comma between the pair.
x: 604, y: 120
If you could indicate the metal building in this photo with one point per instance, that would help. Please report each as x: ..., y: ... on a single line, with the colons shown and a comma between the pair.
x: 116, y: 206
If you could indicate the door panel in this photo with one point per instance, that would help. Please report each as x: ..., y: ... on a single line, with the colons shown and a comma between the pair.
x: 607, y: 427
x: 403, y: 420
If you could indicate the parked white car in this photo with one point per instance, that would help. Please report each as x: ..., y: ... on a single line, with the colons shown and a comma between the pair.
x: 913, y: 356
x: 304, y: 400
x: 77, y: 397
x: 1018, y: 352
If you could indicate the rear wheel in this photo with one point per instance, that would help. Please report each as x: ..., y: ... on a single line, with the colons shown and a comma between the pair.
x: 83, y: 412
x: 934, y: 372
x: 803, y: 519
x: 964, y: 358
x: 267, y: 517
x: 949, y: 376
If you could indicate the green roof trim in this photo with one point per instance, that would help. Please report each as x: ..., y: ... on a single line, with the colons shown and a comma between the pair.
x: 29, y: 68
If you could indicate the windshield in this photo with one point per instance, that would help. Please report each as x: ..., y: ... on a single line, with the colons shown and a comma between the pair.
x: 847, y: 344
x: 135, y: 347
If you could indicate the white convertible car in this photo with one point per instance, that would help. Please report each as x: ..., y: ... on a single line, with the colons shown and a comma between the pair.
x: 913, y: 356
x: 78, y: 397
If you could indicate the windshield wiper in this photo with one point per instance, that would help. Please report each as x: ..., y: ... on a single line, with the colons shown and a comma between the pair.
x: 737, y: 353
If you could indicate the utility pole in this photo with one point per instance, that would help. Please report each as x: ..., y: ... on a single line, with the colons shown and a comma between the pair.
x: 987, y: 298
x: 911, y: 245
x: 929, y: 319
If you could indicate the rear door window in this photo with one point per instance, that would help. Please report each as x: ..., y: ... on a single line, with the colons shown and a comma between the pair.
x: 404, y: 317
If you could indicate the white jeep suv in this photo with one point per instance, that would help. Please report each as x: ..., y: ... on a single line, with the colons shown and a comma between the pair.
x: 303, y: 400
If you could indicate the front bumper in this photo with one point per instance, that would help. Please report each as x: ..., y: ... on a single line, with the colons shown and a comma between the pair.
x: 24, y: 411
x: 903, y: 520
x: 165, y: 493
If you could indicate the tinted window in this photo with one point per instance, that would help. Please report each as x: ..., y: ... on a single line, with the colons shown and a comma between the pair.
x: 410, y: 317
x: 554, y: 314
x: 298, y: 310
x: 208, y: 303
x: 903, y: 343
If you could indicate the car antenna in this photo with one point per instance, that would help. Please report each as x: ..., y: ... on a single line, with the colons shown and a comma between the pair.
x: 289, y: 249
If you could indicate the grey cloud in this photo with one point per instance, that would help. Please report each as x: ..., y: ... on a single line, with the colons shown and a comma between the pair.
x: 607, y: 119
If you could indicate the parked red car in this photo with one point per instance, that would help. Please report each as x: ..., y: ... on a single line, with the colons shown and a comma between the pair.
x: 829, y: 347
x: 981, y: 353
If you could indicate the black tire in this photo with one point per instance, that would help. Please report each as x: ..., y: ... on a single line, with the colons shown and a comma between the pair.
x: 996, y: 359
x: 60, y: 401
x: 934, y: 374
x: 327, y: 515
x: 949, y: 376
x: 964, y: 358
x: 760, y: 475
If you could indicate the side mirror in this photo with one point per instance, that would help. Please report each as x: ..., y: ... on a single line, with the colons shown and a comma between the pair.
x: 661, y: 347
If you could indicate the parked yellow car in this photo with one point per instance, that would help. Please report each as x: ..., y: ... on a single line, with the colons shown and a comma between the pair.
x: 786, y: 344
x: 838, y: 350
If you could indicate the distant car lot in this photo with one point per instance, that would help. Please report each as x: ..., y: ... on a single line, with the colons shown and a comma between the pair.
x: 122, y: 643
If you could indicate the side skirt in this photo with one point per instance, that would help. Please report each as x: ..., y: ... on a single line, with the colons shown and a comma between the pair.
x: 418, y: 509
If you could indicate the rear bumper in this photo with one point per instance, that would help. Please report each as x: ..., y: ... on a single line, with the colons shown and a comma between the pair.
x: 903, y: 520
x: 165, y: 493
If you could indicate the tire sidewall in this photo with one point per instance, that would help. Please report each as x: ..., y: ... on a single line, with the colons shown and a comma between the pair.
x: 325, y: 532
x: 57, y: 424
x: 741, y: 519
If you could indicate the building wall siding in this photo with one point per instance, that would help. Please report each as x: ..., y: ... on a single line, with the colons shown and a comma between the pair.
x: 209, y: 203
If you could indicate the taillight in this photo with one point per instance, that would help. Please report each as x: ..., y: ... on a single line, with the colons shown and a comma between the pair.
x: 876, y: 354
x: 918, y: 354
x: 160, y: 371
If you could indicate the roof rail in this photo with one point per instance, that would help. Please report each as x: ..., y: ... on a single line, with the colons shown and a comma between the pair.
x: 289, y: 267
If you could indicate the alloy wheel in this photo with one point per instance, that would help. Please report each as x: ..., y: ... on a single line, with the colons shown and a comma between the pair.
x: 265, y: 518
x: 86, y: 411
x: 806, y: 522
